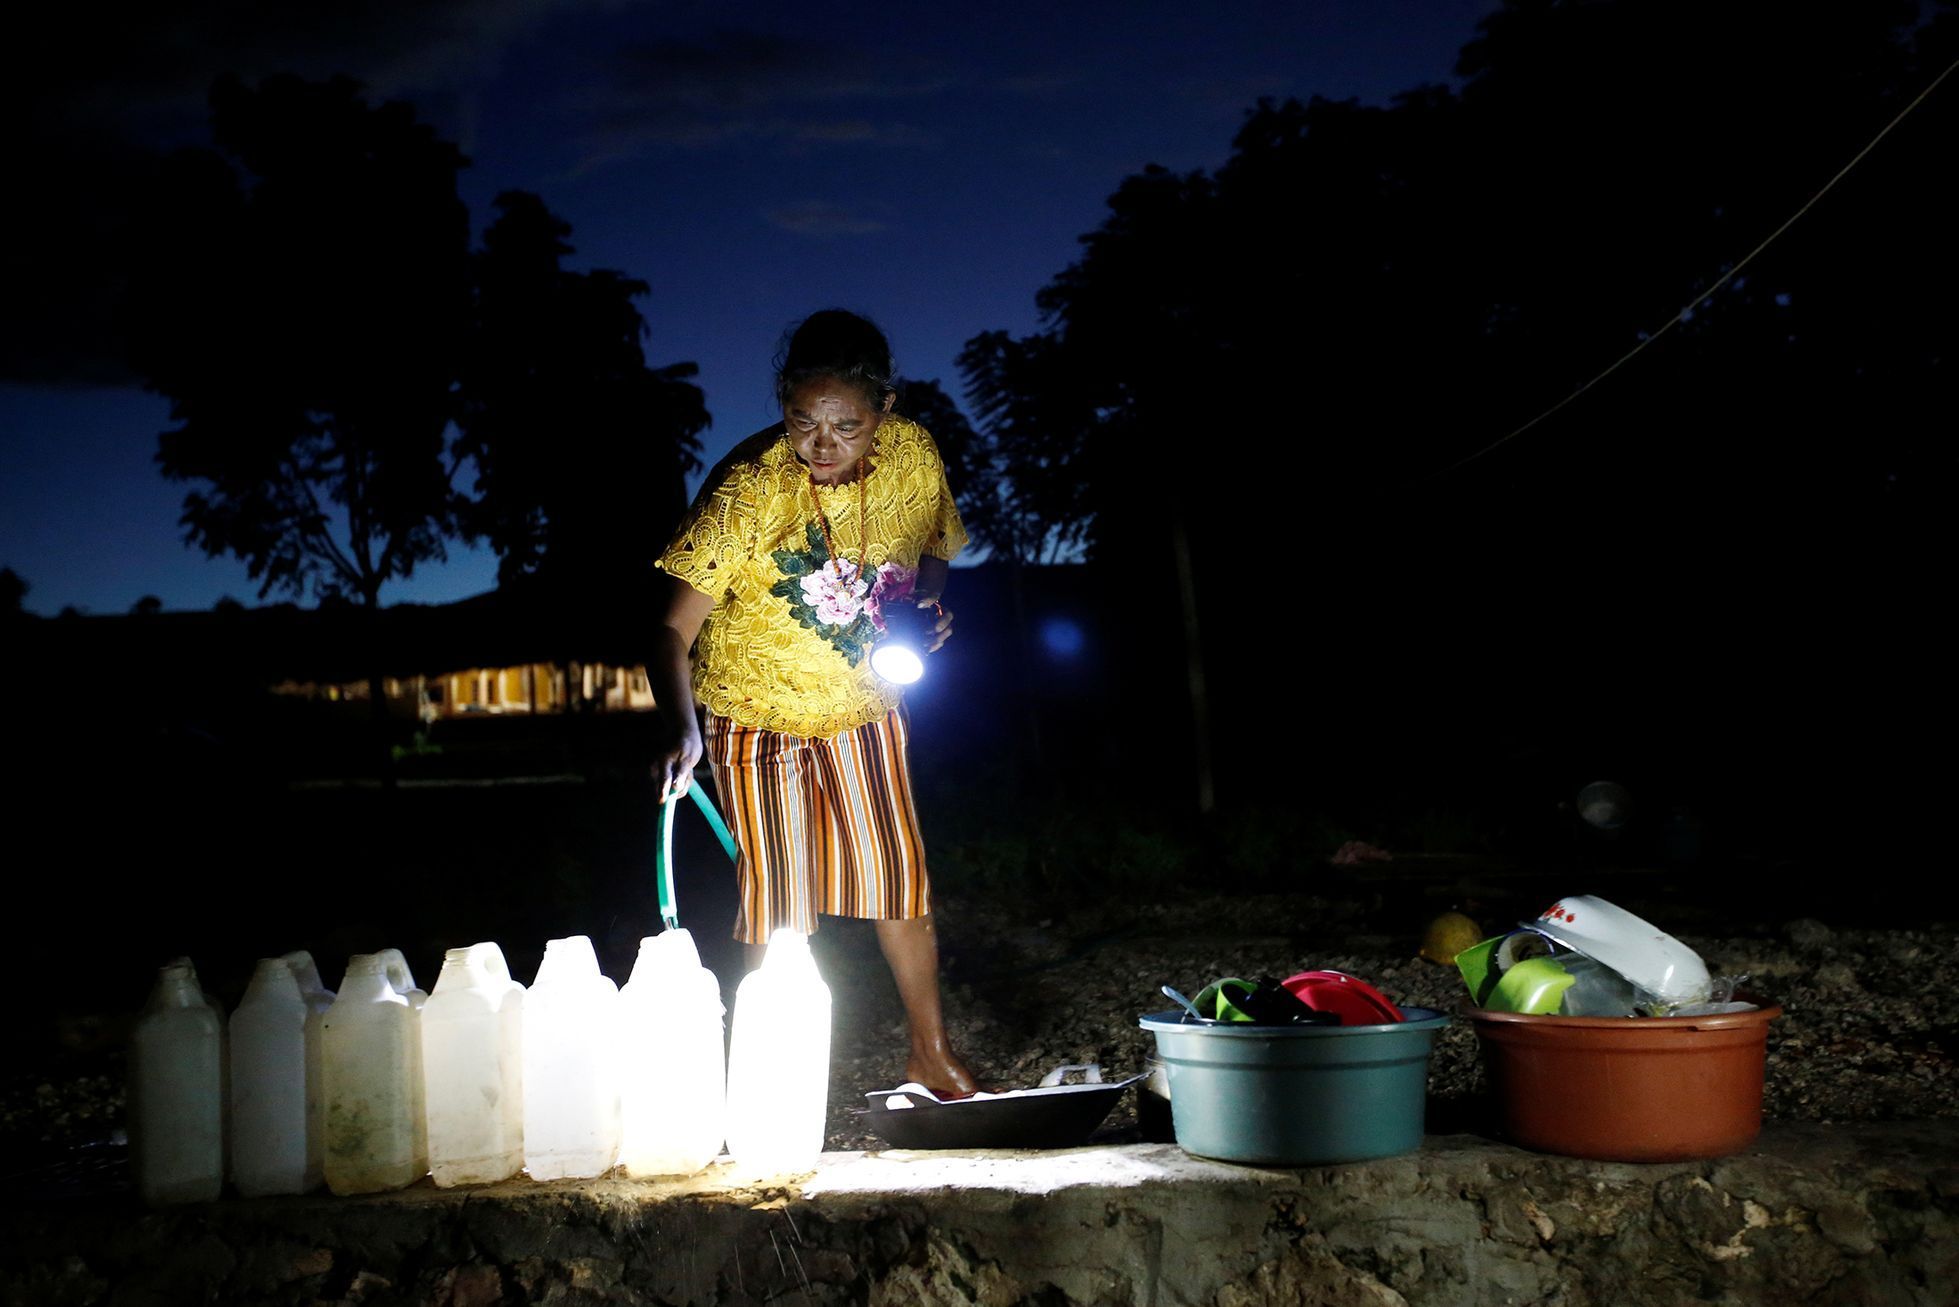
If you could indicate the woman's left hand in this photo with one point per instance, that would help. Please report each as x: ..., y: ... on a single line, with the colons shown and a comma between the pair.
x: 941, y: 629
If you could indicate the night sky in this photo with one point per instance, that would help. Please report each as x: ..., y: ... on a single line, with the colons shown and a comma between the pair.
x: 927, y: 166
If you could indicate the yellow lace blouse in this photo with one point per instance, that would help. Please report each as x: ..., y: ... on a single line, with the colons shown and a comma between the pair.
x: 786, y: 645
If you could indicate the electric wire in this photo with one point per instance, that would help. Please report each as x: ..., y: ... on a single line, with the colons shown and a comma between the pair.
x: 1719, y: 282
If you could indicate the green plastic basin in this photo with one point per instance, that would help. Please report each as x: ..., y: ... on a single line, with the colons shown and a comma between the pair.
x: 1297, y: 1095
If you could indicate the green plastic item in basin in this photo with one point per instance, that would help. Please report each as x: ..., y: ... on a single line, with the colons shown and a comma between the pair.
x: 1477, y: 963
x: 1297, y: 1095
x: 1535, y: 986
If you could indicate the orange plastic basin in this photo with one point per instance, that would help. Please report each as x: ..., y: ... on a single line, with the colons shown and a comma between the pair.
x: 1627, y: 1089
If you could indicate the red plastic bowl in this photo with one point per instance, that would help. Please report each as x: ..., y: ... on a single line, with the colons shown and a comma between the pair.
x: 1350, y: 998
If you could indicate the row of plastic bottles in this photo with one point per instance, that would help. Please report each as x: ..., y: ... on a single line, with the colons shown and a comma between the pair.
x: 374, y: 1087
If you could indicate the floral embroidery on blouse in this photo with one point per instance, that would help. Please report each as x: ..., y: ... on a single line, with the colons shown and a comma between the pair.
x: 830, y: 596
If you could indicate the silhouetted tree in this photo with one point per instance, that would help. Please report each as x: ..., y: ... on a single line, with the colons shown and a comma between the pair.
x: 301, y: 303
x: 1037, y: 437
x: 581, y: 448
x: 13, y: 592
x: 1255, y: 378
x: 147, y: 606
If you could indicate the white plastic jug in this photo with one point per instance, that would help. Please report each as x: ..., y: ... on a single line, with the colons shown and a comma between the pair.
x: 779, y: 1061
x: 673, y: 1073
x: 371, y: 1045
x: 473, y: 1069
x: 404, y: 984
x: 571, y: 1087
x: 224, y: 1053
x: 176, y: 1092
x: 319, y: 1001
x: 270, y: 1114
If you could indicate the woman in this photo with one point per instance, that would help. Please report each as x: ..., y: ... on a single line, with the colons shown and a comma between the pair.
x: 796, y: 545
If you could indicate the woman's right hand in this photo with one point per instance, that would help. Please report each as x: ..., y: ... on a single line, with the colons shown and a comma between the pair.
x: 673, y: 764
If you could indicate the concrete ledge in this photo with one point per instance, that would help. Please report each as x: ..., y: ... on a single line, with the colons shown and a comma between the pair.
x: 1829, y: 1215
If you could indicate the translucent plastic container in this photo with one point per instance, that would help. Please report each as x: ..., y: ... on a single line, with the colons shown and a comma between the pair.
x: 779, y: 1061
x: 372, y: 1045
x: 473, y: 1069
x: 403, y: 981
x: 571, y: 1084
x: 673, y: 1072
x: 224, y: 1054
x: 271, y: 1117
x: 176, y: 1092
x: 319, y: 1001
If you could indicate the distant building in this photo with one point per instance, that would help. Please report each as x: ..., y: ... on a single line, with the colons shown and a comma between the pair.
x: 527, y: 688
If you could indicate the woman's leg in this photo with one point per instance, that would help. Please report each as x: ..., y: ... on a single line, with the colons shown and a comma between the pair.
x: 869, y: 787
x: 911, y: 946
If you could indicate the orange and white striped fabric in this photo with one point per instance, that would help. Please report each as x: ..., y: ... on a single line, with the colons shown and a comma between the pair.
x: 824, y: 825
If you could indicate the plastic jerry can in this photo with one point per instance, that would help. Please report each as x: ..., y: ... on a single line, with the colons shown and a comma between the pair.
x: 571, y: 1089
x: 779, y: 1061
x: 224, y: 1054
x: 176, y: 1092
x: 673, y: 1071
x: 404, y: 984
x: 319, y: 1001
x: 371, y: 1047
x: 473, y: 1069
x: 271, y: 1117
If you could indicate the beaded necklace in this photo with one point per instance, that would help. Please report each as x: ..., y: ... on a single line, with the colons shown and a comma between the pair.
x: 863, y: 522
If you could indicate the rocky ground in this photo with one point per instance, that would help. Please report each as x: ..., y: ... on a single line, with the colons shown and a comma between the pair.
x: 1870, y: 1031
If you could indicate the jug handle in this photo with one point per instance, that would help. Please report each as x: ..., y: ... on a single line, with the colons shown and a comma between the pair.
x: 396, y: 965
x: 663, y: 865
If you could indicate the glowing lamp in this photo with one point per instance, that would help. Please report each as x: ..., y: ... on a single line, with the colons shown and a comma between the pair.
x: 899, y: 655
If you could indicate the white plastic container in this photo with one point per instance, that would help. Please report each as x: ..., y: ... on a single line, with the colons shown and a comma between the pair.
x: 473, y: 1069
x: 270, y: 1116
x: 673, y: 1072
x: 371, y: 1047
x: 319, y: 1001
x: 224, y: 1054
x: 176, y: 1092
x: 571, y: 1088
x: 779, y: 1061
x: 404, y: 984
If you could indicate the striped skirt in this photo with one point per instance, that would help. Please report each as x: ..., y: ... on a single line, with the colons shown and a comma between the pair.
x: 824, y: 825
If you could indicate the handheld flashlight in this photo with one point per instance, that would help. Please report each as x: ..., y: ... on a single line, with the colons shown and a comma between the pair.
x: 899, y: 656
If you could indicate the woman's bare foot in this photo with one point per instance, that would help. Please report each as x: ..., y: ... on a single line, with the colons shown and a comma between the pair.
x: 943, y: 1073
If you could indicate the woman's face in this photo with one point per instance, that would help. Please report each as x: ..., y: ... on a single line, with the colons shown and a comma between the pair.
x: 831, y: 426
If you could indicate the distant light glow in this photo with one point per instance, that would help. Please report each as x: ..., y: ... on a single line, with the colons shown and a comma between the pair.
x: 1061, y: 637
